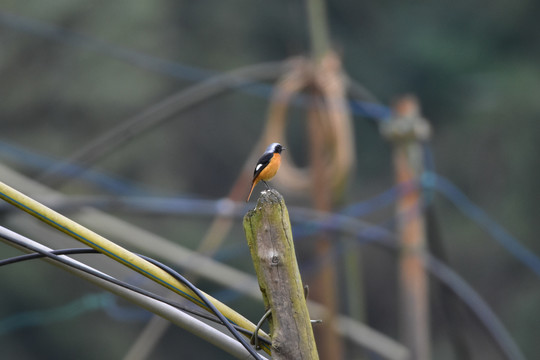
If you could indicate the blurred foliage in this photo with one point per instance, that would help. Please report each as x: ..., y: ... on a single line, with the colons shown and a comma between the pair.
x: 472, y: 64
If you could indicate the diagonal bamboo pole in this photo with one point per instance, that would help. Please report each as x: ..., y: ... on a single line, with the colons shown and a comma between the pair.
x: 113, y: 250
x: 172, y: 314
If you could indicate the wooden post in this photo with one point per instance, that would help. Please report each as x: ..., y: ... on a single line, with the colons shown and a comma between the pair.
x: 268, y: 232
x: 406, y: 130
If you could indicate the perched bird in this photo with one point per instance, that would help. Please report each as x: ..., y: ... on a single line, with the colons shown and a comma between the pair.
x: 267, y: 166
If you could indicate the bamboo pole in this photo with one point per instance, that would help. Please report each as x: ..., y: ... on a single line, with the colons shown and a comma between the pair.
x: 114, y: 251
x: 406, y: 131
x: 172, y: 314
x: 268, y: 232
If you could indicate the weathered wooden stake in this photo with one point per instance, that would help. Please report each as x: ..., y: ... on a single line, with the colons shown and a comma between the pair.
x: 268, y: 232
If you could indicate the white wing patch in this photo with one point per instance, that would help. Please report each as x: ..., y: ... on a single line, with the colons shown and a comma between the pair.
x: 258, y: 167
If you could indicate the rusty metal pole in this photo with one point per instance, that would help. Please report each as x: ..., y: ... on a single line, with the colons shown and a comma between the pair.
x: 406, y: 130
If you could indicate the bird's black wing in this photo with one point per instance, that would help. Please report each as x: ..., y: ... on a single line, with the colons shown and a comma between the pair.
x: 262, y: 163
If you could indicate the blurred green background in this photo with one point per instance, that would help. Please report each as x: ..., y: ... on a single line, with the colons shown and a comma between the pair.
x: 71, y: 70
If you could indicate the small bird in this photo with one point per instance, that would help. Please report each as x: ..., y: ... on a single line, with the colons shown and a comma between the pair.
x: 267, y: 166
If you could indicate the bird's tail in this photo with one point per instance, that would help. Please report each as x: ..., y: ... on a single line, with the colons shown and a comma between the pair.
x: 250, y: 191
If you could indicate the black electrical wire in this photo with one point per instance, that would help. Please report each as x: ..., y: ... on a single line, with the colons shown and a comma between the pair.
x: 211, y: 306
x: 75, y: 251
x: 55, y: 255
x: 32, y: 256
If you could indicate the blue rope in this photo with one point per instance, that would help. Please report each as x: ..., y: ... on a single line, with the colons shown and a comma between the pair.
x: 475, y: 213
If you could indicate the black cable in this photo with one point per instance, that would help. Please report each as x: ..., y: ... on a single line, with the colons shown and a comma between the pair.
x: 32, y: 256
x: 92, y: 272
x: 211, y: 306
x: 75, y: 251
x: 55, y: 255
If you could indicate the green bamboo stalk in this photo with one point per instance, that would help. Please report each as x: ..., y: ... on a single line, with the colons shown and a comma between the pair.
x: 168, y: 312
x: 114, y: 251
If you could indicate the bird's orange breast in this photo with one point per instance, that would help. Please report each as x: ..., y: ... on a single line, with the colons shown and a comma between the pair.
x: 271, y: 169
